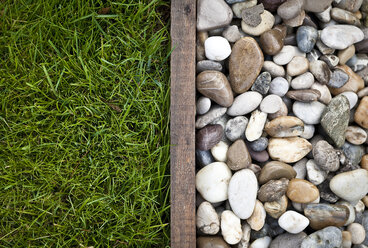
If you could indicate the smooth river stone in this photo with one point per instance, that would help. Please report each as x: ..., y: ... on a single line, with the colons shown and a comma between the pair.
x: 361, y: 114
x: 288, y: 150
x: 297, y: 66
x: 232, y: 33
x: 243, y: 188
x: 230, y: 227
x: 325, y: 92
x: 275, y: 170
x: 338, y: 79
x: 326, y: 156
x: 204, y: 158
x: 211, y: 242
x: 355, y: 82
x: 353, y: 154
x: 315, y: 174
x: 212, y: 14
x: 322, y: 215
x: 302, y: 191
x: 207, y: 219
x: 279, y: 86
x: 293, y: 222
x: 219, y: 151
x: 290, y: 9
x: 245, y: 63
x: 352, y: 98
x: 214, y: 113
x: 214, y: 85
x: 355, y: 135
x: 276, y: 208
x: 266, y: 24
x: 217, y: 48
x: 272, y: 41
x: 288, y: 240
x: 274, y: 69
x: 238, y: 156
x: 286, y: 54
x: 335, y: 119
x: 350, y: 5
x: 203, y: 105
x: 271, y: 104
x: 263, y: 242
x: 273, y: 190
x: 212, y: 182
x: 306, y: 37
x: 259, y: 144
x: 329, y: 237
x: 341, y: 36
x: 350, y: 186
x: 255, y: 125
x: 309, y: 113
x: 257, y: 220
x: 208, y: 65
x: 235, y: 128
x: 357, y: 233
x: 208, y: 137
x: 343, y: 16
x: 245, y: 103
x: 303, y: 81
x: 285, y: 126
x: 308, y: 95
x: 320, y: 71
x: 317, y: 5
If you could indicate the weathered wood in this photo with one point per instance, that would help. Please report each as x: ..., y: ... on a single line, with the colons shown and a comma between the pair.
x: 183, y: 33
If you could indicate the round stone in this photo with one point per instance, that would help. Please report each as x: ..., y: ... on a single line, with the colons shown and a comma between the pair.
x: 238, y: 156
x: 309, y: 113
x: 341, y: 36
x: 217, y: 48
x: 219, y: 151
x: 235, y: 128
x: 275, y: 170
x: 285, y: 126
x: 274, y: 69
x: 288, y: 150
x: 322, y: 215
x: 255, y: 126
x: 212, y: 14
x: 230, y: 227
x: 203, y: 105
x: 207, y: 219
x: 208, y: 137
x: 303, y: 81
x: 271, y: 104
x: 297, y: 66
x: 357, y: 233
x: 212, y: 182
x: 279, y: 86
x: 267, y: 21
x: 272, y: 41
x: 329, y: 237
x: 259, y: 144
x: 257, y: 220
x: 326, y: 156
x: 293, y: 222
x: 306, y: 38
x: 273, y: 190
x: 245, y: 103
x: 302, y: 191
x: 243, y: 188
x: 356, y: 135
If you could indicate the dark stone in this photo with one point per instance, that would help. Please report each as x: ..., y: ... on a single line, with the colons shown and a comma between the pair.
x: 273, y: 190
x: 204, y: 158
x: 338, y: 78
x: 275, y: 228
x: 329, y: 237
x: 323, y: 215
x: 262, y: 83
x: 353, y: 153
x: 306, y: 37
x: 271, y: 5
x: 308, y: 95
x: 208, y: 137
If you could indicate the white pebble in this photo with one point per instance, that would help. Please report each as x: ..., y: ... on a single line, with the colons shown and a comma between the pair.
x: 309, y: 113
x: 303, y: 81
x: 352, y: 97
x: 203, y: 105
x: 357, y: 233
x: 207, y: 219
x: 263, y: 242
x: 217, y: 48
x: 245, y: 103
x: 308, y: 131
x: 300, y: 168
x: 255, y: 125
x: 219, y: 151
x: 230, y: 227
x: 271, y: 104
x: 279, y: 86
x: 293, y: 222
x: 315, y: 174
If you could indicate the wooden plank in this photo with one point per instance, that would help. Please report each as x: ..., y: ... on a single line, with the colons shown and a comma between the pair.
x: 183, y: 35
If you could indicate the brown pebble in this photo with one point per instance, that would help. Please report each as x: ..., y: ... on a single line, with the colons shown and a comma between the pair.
x: 276, y: 208
x: 308, y: 95
x: 323, y: 215
x: 355, y: 135
x: 211, y: 242
x: 273, y: 190
x: 364, y: 162
x: 361, y: 113
x: 346, y: 54
x: 272, y: 41
x: 276, y: 170
x: 238, y: 156
x: 208, y: 137
x: 285, y: 126
x: 302, y: 191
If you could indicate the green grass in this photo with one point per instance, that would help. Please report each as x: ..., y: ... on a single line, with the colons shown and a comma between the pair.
x: 84, y: 135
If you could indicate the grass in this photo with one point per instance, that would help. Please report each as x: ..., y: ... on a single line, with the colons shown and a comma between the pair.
x: 84, y: 135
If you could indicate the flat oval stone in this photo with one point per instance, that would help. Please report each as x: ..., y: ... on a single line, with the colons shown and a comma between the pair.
x: 285, y: 126
x: 302, y: 191
x: 259, y: 144
x: 355, y: 135
x: 288, y: 150
x: 303, y: 81
x: 212, y: 14
x: 210, y: 116
x: 238, y: 156
x: 208, y: 137
x: 262, y: 83
x: 341, y: 36
x: 306, y: 38
x: 274, y: 69
x: 243, y: 188
x: 279, y: 86
x: 275, y: 170
x: 329, y: 237
x: 259, y: 156
x: 361, y: 113
x: 245, y: 103
x: 235, y: 128
x: 309, y: 113
x: 271, y: 104
x: 212, y: 182
x: 214, y: 85
x: 293, y: 222
x: 338, y: 78
x: 255, y: 126
x: 207, y: 220
x: 297, y: 66
x: 230, y: 227
x: 335, y: 119
x: 267, y: 21
x: 219, y: 151
x: 350, y: 186
x: 245, y: 63
x: 326, y: 156
x: 288, y: 240
x: 320, y: 71
x: 257, y: 220
x: 325, y: 92
x: 210, y: 242
x: 272, y: 41
x: 322, y: 215
x: 276, y: 208
x: 273, y: 190
x: 355, y: 82
x: 208, y: 65
x: 304, y: 95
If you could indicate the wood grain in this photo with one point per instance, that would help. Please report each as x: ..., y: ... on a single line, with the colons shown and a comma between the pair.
x: 182, y: 113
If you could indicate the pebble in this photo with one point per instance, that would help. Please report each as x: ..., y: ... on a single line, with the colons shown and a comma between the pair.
x: 243, y: 188
x: 338, y: 79
x: 326, y: 156
x: 259, y: 156
x: 288, y: 240
x: 209, y: 242
x: 317, y: 5
x: 344, y: 16
x: 217, y: 48
x: 290, y: 9
x: 309, y: 113
x: 238, y: 156
x: 355, y: 82
x: 346, y: 54
x: 352, y: 98
x: 308, y: 132
x: 263, y: 242
x: 320, y: 71
x: 307, y: 95
x: 329, y: 237
x: 306, y: 37
x: 262, y: 83
x: 350, y: 5
x: 282, y: 112
x: 208, y: 65
x: 252, y: 16
x: 351, y: 217
x: 302, y: 191
x: 293, y: 222
x: 271, y: 5
x: 203, y: 105
x: 276, y: 208
x: 204, y: 158
x: 245, y: 103
x: 279, y: 86
x: 359, y: 207
x: 230, y: 227
x: 255, y: 126
x: 322, y: 215
x: 357, y: 233
x: 353, y: 154
x: 214, y: 113
x: 355, y: 135
x: 325, y: 92
x: 212, y: 14
x: 315, y: 174
x: 274, y: 69
x: 285, y: 126
x: 297, y: 66
x: 273, y: 190
x: 208, y: 137
x: 245, y: 64
x: 300, y: 168
x: 361, y: 113
x: 296, y: 21
x: 325, y: 15
x: 350, y: 186
x: 219, y: 151
x: 331, y: 60
x: 232, y: 33
x: 235, y: 128
x: 245, y: 239
x: 257, y: 220
x: 276, y: 170
x: 214, y: 85
x: 212, y: 182
x: 259, y: 144
x: 286, y: 54
x: 288, y: 150
x: 304, y: 81
x: 346, y: 239
x: 272, y: 41
x: 239, y: 7
x: 207, y: 219
x: 267, y: 21
x: 363, y: 92
x: 271, y: 104
x: 341, y: 36
x: 335, y: 119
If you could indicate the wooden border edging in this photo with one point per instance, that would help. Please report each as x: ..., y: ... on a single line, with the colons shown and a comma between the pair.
x: 182, y: 131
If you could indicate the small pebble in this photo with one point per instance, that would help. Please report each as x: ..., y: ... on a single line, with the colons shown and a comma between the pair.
x: 288, y: 150
x: 286, y: 54
x: 306, y: 38
x: 262, y: 83
x: 231, y: 33
x: 338, y: 78
x: 279, y: 86
x: 315, y: 174
x: 255, y: 125
x: 293, y: 222
x: 274, y: 69
x: 309, y: 113
x: 238, y: 156
x: 257, y: 220
x: 259, y: 144
x: 302, y: 191
x: 303, y: 81
x: 357, y: 233
x: 352, y: 98
x: 323, y: 215
x: 297, y: 66
x: 275, y: 170
x: 285, y: 126
x: 208, y: 137
x: 355, y: 135
x: 273, y: 190
x: 204, y: 158
x: 219, y: 151
x: 267, y: 21
x: 213, y: 14
x: 207, y: 219
x: 217, y: 48
x: 230, y: 227
x: 214, y: 113
x: 346, y: 54
x: 276, y: 208
x: 320, y: 71
x: 325, y: 156
x: 341, y: 36
x: 263, y: 242
x: 245, y: 103
x: 208, y: 65
x: 203, y: 105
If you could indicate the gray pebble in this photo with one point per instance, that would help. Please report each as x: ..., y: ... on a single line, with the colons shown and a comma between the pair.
x: 231, y: 33
x: 208, y: 65
x: 338, y: 79
x: 306, y: 38
x: 259, y: 144
x: 325, y: 156
x: 353, y: 153
x: 288, y: 240
x: 313, y: 55
x: 279, y: 86
x: 203, y: 105
x: 214, y: 113
x: 329, y: 237
x: 262, y: 83
x: 235, y: 128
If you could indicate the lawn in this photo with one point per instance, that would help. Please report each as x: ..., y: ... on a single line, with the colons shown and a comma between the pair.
x: 84, y: 128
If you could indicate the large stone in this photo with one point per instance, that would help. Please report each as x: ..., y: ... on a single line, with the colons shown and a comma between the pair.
x: 335, y: 119
x: 329, y: 237
x: 322, y: 215
x: 341, y: 36
x: 212, y: 14
x: 288, y: 150
x: 275, y: 170
x: 245, y: 63
x: 238, y: 156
